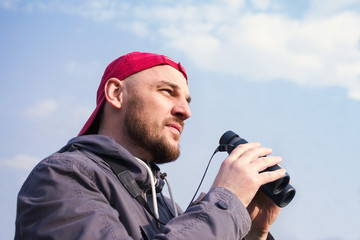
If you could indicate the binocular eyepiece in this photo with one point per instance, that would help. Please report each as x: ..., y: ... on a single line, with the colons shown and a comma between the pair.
x: 279, y: 191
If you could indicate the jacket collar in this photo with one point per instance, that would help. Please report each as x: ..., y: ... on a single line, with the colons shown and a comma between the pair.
x: 100, y: 147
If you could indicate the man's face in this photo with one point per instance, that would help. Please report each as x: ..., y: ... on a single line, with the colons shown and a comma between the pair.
x: 157, y: 106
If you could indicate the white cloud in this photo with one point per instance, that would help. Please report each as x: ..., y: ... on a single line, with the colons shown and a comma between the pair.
x: 321, y: 8
x: 319, y: 49
x: 97, y: 10
x: 267, y: 46
x: 42, y: 109
x: 261, y: 4
x: 316, y: 50
x: 140, y: 29
x: 311, y: 51
x: 61, y: 117
x: 20, y: 162
x: 9, y: 4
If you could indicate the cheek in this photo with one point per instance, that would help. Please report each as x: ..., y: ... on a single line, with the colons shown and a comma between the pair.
x: 155, y: 107
x: 161, y: 108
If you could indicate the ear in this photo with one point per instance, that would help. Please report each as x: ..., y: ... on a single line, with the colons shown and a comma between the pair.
x: 114, y: 92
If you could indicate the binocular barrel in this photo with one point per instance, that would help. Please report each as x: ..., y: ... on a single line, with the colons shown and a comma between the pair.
x: 279, y: 191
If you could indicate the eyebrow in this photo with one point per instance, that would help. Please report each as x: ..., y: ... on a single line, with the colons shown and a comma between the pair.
x: 174, y: 86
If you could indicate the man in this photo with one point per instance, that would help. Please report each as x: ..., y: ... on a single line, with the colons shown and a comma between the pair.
x: 105, y: 183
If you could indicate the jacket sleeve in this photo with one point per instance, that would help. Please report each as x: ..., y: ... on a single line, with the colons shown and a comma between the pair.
x: 219, y: 215
x: 59, y: 201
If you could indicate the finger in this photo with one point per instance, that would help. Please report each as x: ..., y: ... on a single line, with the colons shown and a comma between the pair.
x: 253, y: 154
x: 241, y: 149
x: 262, y: 163
x: 270, y: 176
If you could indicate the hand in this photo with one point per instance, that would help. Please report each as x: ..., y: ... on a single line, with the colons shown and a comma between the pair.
x: 240, y: 171
x: 263, y: 213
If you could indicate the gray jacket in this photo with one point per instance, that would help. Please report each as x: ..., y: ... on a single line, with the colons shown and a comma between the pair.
x: 74, y: 194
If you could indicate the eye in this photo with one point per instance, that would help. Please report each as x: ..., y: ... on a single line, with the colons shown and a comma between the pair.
x: 167, y: 90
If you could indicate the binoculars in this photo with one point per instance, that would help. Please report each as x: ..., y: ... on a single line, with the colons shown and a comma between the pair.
x: 279, y: 191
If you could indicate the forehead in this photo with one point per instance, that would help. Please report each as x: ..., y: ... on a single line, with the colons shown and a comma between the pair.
x: 159, y: 75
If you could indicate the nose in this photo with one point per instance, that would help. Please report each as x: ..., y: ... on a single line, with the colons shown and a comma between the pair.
x: 181, y: 110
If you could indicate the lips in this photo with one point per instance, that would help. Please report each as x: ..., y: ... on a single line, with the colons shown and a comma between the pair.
x: 176, y: 126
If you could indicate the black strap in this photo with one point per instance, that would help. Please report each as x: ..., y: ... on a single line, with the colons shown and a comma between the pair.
x: 130, y: 185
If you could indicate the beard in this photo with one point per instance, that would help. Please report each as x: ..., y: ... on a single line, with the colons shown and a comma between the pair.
x: 147, y: 135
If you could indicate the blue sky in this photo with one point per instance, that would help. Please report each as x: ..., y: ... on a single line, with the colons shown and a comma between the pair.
x: 284, y: 73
